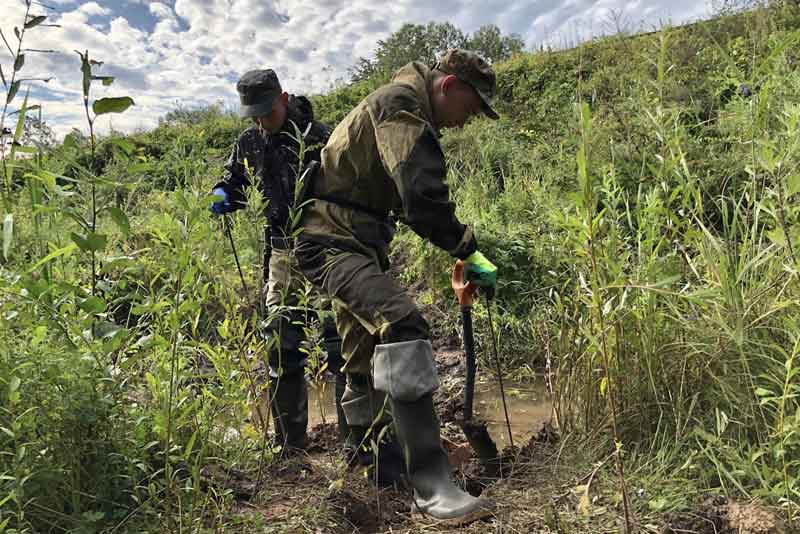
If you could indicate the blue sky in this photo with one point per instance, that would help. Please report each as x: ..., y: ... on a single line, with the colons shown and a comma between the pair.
x: 190, y: 52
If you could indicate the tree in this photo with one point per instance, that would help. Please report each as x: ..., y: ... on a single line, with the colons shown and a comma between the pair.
x: 492, y: 45
x: 417, y: 42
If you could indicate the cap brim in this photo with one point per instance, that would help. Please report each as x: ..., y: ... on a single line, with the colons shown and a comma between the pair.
x: 488, y: 110
x: 262, y: 109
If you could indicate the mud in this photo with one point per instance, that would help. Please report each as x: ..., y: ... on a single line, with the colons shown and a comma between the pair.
x: 719, y: 515
x: 363, y: 509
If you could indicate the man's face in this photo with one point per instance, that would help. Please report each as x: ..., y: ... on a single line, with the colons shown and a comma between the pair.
x: 272, y: 123
x: 455, y: 103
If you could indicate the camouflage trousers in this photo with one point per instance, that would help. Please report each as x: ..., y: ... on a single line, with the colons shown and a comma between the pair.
x: 291, y: 307
x: 371, y: 308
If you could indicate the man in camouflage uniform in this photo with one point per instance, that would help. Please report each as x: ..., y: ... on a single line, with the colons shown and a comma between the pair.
x: 268, y: 151
x: 384, y: 159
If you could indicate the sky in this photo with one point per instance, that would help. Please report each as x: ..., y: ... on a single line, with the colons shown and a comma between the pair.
x: 189, y: 53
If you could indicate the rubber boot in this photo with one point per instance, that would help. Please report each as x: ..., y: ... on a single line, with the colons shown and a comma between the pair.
x: 341, y: 419
x: 289, y: 395
x: 429, y: 471
x: 363, y: 407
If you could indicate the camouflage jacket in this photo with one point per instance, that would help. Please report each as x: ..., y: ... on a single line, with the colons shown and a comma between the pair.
x: 385, y: 159
x: 272, y: 160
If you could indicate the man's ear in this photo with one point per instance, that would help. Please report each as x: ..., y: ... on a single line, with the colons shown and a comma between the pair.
x: 284, y: 98
x: 448, y: 82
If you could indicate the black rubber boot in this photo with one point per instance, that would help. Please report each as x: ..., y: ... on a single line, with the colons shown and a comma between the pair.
x: 429, y: 471
x: 391, y: 467
x: 341, y: 420
x: 289, y: 395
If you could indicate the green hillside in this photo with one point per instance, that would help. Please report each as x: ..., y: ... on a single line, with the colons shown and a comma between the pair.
x: 639, y: 195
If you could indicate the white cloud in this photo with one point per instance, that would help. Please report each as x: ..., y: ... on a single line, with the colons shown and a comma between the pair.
x: 93, y: 8
x: 161, y: 11
x: 198, y: 48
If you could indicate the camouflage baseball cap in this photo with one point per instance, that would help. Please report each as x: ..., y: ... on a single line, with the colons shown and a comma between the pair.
x: 257, y: 91
x: 471, y: 69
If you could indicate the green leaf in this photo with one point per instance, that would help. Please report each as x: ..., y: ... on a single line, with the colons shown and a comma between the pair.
x: 91, y: 241
x: 19, y: 62
x: 106, y: 329
x: 35, y: 21
x: 112, y: 105
x: 126, y: 146
x: 8, y: 234
x: 20, y: 126
x: 93, y: 305
x: 793, y: 184
x: 3, y: 76
x: 71, y: 142
x: 761, y: 392
x: 13, y: 91
x: 121, y: 219
x: 190, y: 445
x: 86, y: 69
x: 63, y: 251
x: 14, y: 384
x: 107, y: 80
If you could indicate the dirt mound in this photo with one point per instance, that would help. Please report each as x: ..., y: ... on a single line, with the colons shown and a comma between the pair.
x: 323, y: 437
x: 365, y: 510
x: 719, y: 515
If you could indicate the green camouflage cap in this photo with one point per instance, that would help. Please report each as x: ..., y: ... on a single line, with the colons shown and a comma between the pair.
x: 257, y: 91
x: 471, y: 69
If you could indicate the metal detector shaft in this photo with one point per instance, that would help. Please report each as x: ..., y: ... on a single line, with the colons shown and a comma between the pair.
x: 226, y: 225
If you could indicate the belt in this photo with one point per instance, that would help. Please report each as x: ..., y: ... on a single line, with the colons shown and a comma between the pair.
x: 281, y: 243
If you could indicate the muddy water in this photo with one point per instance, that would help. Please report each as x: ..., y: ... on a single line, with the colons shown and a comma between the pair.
x: 528, y: 405
x: 528, y: 408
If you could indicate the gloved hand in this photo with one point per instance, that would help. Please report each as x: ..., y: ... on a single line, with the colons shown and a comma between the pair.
x: 480, y: 271
x: 221, y: 206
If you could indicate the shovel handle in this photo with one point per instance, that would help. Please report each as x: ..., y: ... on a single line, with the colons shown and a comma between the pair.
x: 464, y: 289
x: 465, y: 293
x: 469, y: 349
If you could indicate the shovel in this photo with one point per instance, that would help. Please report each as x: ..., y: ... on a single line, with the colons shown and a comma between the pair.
x: 474, y: 429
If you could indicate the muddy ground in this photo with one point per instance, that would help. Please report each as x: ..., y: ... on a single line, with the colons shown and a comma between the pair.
x: 549, y: 485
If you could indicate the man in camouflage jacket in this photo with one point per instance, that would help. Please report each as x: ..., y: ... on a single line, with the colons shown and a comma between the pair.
x: 267, y: 154
x: 384, y: 161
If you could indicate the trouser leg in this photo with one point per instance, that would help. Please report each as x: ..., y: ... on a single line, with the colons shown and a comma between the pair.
x: 332, y: 344
x: 288, y: 392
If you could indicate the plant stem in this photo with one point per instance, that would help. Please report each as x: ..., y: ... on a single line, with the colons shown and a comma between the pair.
x: 6, y: 176
x: 170, y: 397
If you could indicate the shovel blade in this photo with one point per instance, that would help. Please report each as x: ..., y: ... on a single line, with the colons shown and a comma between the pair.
x: 481, y: 442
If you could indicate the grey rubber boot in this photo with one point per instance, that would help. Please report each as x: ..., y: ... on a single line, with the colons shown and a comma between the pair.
x: 289, y: 395
x: 429, y: 471
x: 363, y: 407
x: 406, y: 372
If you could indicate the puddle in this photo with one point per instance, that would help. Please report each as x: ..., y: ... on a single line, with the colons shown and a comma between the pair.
x: 528, y: 408
x: 321, y: 403
x: 528, y: 404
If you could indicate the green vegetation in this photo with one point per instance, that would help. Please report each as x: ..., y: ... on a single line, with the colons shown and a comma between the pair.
x: 639, y: 195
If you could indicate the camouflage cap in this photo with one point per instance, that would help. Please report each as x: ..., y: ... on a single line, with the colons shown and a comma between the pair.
x: 257, y: 91
x: 471, y: 69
